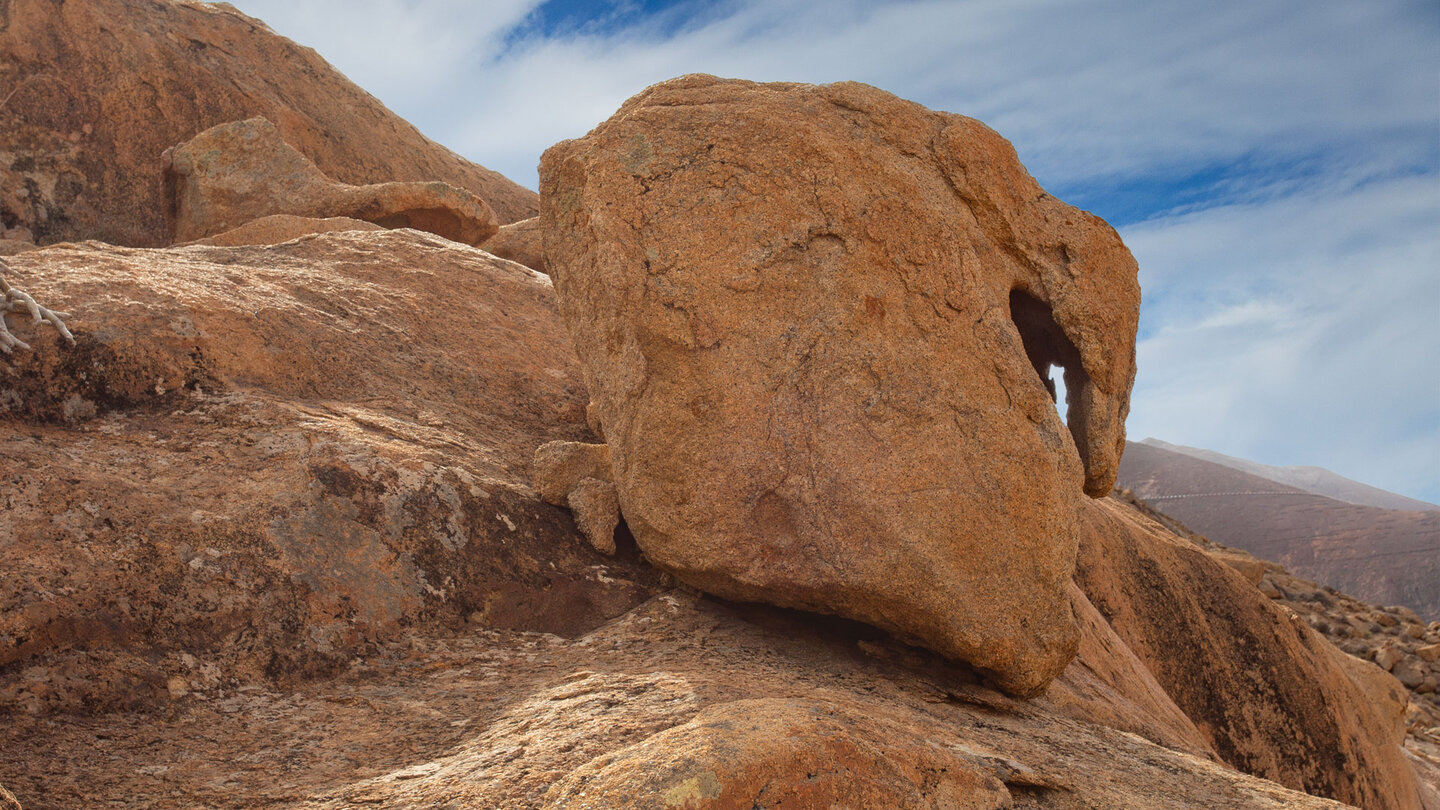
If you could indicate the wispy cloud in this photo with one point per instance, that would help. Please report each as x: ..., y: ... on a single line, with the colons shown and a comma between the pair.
x: 1300, y: 330
x: 1275, y: 166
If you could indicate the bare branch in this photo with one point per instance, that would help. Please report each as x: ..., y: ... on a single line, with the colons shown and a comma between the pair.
x: 20, y: 301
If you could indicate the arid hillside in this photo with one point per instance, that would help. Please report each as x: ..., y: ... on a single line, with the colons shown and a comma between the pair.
x: 1385, y: 556
x: 1311, y: 479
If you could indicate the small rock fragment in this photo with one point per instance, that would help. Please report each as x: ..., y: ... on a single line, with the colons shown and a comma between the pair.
x: 597, y: 512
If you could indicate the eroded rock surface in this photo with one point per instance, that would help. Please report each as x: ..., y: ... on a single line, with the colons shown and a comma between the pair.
x: 526, y: 720
x: 277, y: 228
x: 96, y: 90
x: 1271, y: 695
x: 238, y: 172
x: 519, y: 242
x: 258, y: 463
x: 811, y: 319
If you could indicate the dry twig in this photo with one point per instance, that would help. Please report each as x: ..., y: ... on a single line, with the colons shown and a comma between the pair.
x: 19, y: 301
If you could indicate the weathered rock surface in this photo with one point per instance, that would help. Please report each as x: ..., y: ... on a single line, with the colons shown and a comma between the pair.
x: 1269, y: 694
x: 519, y: 242
x: 238, y: 172
x: 1369, y: 633
x: 517, y: 720
x: 260, y: 462
x: 577, y: 475
x: 97, y: 89
x: 240, y: 475
x: 811, y: 319
x: 277, y: 228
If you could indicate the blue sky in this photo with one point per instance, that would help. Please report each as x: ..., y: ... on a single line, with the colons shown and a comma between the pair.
x: 1274, y: 164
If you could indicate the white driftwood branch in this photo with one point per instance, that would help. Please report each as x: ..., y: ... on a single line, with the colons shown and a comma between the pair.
x: 20, y: 301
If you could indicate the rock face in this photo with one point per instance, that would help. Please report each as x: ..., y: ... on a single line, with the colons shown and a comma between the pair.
x: 239, y: 477
x: 519, y: 242
x: 1268, y: 693
x: 98, y: 89
x: 662, y: 695
x: 277, y: 228
x: 258, y: 463
x: 811, y: 319
x: 234, y: 173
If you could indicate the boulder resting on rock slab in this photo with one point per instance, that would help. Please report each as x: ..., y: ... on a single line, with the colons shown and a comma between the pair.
x: 817, y: 324
x: 234, y: 173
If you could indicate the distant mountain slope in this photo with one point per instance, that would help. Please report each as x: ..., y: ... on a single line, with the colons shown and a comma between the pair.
x: 1387, y: 556
x: 1311, y: 479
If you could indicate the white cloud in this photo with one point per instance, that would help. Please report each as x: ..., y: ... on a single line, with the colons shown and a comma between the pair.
x: 1302, y: 330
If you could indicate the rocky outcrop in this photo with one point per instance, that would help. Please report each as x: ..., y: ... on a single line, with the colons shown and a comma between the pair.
x: 277, y: 228
x: 811, y: 320
x: 235, y: 173
x: 526, y: 720
x: 239, y: 477
x: 519, y: 242
x: 1270, y: 695
x: 258, y: 463
x: 96, y: 90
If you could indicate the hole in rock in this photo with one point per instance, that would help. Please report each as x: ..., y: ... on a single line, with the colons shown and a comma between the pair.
x: 1046, y: 346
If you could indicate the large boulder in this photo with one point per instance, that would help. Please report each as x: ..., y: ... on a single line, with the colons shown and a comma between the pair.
x: 1271, y: 695
x: 258, y: 463
x: 96, y: 89
x: 238, y: 172
x: 811, y: 320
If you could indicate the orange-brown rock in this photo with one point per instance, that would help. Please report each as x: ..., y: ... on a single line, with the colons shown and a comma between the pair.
x: 786, y: 753
x: 8, y: 800
x: 97, y: 89
x: 811, y: 320
x: 260, y: 462
x: 1271, y: 696
x: 517, y: 720
x: 519, y: 242
x: 577, y: 475
x: 277, y: 228
x: 238, y: 172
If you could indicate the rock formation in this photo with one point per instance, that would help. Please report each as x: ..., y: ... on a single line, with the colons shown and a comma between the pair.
x: 96, y: 89
x: 278, y: 228
x: 519, y: 242
x: 1269, y: 694
x: 270, y: 459
x: 811, y: 320
x: 234, y: 173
